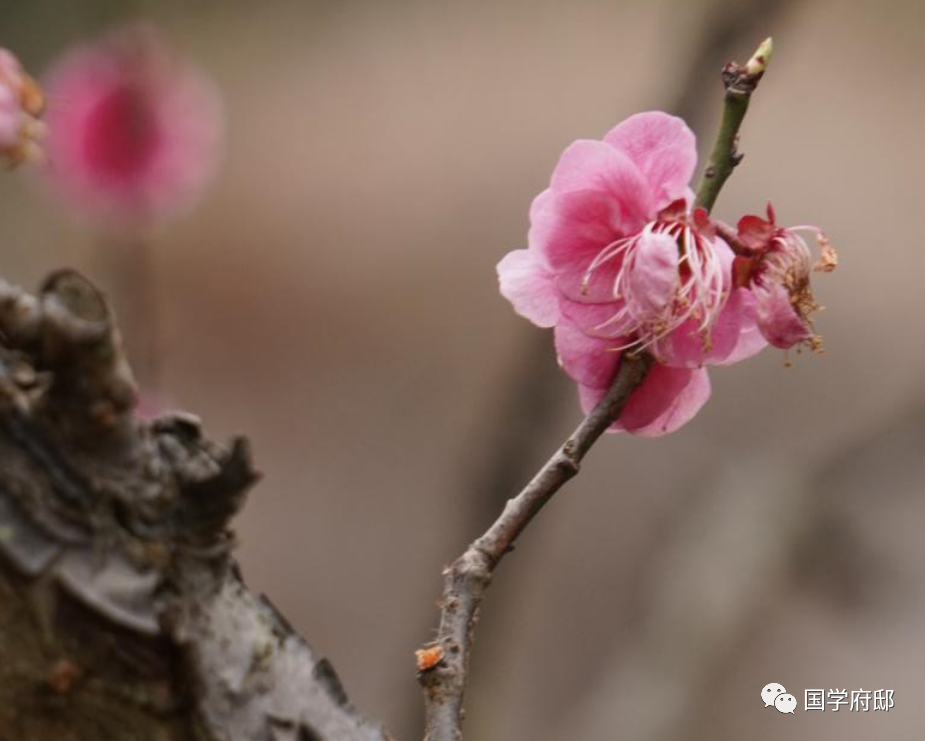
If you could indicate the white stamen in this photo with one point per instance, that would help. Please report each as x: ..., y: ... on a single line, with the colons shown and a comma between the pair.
x: 701, y: 294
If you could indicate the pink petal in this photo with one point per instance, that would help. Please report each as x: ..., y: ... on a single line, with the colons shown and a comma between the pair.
x: 779, y: 322
x: 579, y: 284
x: 10, y: 117
x: 597, y: 166
x: 663, y: 148
x: 10, y: 68
x: 529, y: 287
x: 585, y: 359
x: 598, y: 320
x: 749, y: 341
x: 139, y: 134
x: 542, y: 221
x: 685, y: 347
x: 569, y: 229
x: 652, y: 278
x: 755, y: 233
x: 666, y: 400
x: 686, y: 401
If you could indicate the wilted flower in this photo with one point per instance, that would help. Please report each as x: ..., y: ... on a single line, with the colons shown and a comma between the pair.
x: 617, y: 262
x: 774, y: 266
x: 21, y: 105
x: 134, y: 128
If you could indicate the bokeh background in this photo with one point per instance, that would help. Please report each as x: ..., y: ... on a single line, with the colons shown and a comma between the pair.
x: 333, y: 296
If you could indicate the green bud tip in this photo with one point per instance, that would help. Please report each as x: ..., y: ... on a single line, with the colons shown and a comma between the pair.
x: 759, y: 61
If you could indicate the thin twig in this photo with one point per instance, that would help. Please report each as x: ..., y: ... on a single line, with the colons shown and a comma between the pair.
x: 740, y: 82
x: 444, y: 667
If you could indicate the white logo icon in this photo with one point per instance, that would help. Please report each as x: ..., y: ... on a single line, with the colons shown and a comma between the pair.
x: 771, y: 692
x: 785, y: 703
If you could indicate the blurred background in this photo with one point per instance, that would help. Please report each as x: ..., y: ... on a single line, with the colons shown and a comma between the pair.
x: 332, y: 295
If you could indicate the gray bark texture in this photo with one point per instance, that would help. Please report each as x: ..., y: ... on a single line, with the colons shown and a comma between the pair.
x: 123, y: 616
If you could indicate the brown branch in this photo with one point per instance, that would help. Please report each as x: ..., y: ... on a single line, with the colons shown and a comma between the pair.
x: 443, y: 667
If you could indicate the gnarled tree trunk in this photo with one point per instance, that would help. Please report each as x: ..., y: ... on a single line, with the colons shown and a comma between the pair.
x: 122, y: 614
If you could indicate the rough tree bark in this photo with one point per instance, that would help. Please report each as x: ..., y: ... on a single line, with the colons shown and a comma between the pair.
x: 122, y: 614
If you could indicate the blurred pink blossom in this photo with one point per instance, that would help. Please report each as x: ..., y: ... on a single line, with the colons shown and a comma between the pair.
x: 21, y: 104
x: 618, y: 262
x: 134, y: 129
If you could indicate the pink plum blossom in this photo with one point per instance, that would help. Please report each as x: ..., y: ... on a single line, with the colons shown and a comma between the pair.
x: 21, y: 104
x: 617, y: 261
x: 134, y: 129
x: 773, y: 266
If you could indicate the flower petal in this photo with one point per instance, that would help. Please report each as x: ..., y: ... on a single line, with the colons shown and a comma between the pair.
x: 778, y: 320
x: 588, y: 360
x: 666, y: 400
x: 685, y: 347
x: 652, y: 277
x: 594, y: 165
x: 663, y: 148
x: 139, y: 135
x: 581, y: 285
x: 687, y: 394
x: 542, y: 218
x: 749, y: 340
x: 529, y: 287
x: 599, y: 320
x: 569, y: 229
x: 10, y: 117
x: 755, y: 233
